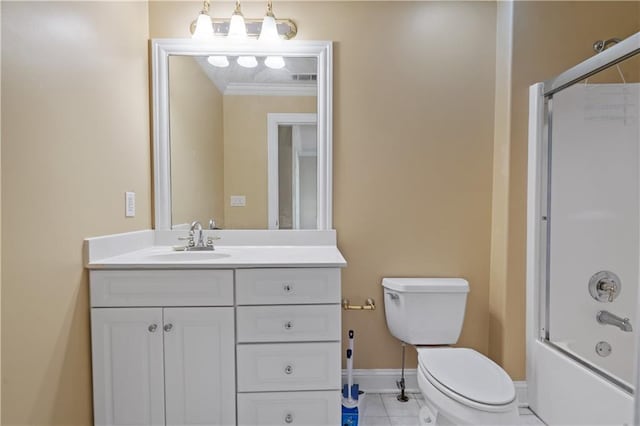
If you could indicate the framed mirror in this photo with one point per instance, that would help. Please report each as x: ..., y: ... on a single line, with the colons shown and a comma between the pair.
x: 242, y: 134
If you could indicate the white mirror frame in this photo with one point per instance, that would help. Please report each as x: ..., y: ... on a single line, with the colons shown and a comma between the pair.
x: 161, y: 49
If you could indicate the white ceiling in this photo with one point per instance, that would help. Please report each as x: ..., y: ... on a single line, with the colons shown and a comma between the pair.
x: 291, y: 80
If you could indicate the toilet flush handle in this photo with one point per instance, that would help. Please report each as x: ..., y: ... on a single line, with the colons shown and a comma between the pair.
x: 394, y: 296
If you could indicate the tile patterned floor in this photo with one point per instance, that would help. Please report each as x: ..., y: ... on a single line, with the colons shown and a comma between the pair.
x: 386, y: 410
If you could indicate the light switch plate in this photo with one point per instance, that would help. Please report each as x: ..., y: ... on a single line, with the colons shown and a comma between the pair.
x: 130, y: 204
x: 238, y: 201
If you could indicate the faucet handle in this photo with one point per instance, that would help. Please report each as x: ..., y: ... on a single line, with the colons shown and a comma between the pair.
x: 605, y: 286
x: 609, y: 287
x: 210, y: 240
x: 212, y: 224
x: 190, y: 239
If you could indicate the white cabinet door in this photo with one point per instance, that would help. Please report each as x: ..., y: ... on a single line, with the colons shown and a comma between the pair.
x: 199, y: 366
x: 128, y: 386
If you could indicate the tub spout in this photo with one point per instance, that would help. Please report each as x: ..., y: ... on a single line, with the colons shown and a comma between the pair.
x: 605, y: 317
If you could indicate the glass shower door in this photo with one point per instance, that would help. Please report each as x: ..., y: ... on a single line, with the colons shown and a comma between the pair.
x: 593, y: 223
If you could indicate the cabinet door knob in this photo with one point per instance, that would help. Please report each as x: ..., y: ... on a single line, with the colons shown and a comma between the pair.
x: 288, y: 369
x: 288, y: 325
x: 168, y: 327
x: 288, y: 418
x: 288, y: 288
x: 153, y: 327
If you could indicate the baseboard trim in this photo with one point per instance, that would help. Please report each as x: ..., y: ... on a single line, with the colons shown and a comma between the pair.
x: 522, y: 393
x: 384, y: 381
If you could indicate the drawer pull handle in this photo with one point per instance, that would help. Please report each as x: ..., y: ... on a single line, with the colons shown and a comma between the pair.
x: 288, y: 325
x: 153, y: 327
x: 288, y: 369
x: 288, y: 418
x: 168, y: 327
x: 288, y: 288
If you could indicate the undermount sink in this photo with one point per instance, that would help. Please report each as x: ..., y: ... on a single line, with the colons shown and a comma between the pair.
x: 185, y: 256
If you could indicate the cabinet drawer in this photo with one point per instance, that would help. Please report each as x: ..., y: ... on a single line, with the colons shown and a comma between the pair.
x: 289, y: 408
x: 162, y: 288
x: 288, y: 366
x: 293, y: 323
x: 285, y: 286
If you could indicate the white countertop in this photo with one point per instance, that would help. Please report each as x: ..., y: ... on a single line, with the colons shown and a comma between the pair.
x: 164, y: 257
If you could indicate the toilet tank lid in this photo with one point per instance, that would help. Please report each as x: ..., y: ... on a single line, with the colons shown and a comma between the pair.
x: 426, y: 285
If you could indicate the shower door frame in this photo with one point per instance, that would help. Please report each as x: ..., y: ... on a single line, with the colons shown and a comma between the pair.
x: 561, y: 388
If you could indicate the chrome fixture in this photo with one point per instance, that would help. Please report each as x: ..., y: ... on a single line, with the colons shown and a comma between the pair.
x: 605, y: 286
x: 601, y: 45
x: 605, y: 317
x: 401, y: 384
x: 200, y: 245
x: 199, y: 28
x: 603, y: 349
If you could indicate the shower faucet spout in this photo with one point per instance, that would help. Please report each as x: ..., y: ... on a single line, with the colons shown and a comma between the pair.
x: 605, y: 317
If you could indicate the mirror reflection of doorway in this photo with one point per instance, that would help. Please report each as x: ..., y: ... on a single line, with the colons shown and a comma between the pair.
x: 293, y: 171
x: 297, y: 176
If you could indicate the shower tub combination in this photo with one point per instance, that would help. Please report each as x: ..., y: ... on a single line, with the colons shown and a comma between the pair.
x: 583, y: 239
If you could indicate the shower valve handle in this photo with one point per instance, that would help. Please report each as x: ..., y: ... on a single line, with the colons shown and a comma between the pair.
x: 610, y: 287
x: 605, y: 286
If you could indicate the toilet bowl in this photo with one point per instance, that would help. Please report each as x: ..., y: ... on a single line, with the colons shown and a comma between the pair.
x: 460, y: 386
x: 466, y: 388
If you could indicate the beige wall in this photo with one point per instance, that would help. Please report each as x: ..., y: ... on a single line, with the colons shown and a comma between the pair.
x: 413, y: 144
x: 548, y: 38
x: 75, y: 137
x: 197, y: 148
x: 245, y: 153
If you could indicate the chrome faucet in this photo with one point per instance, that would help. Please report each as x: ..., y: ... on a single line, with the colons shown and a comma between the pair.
x: 197, y: 226
x: 605, y: 317
x: 200, y: 245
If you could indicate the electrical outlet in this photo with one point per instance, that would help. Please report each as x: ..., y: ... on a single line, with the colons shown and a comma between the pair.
x: 238, y: 201
x: 129, y: 204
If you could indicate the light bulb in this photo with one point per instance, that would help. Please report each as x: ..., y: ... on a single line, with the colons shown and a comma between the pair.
x: 218, y: 61
x: 237, y: 28
x: 269, y: 30
x: 247, y: 61
x: 274, y: 62
x: 204, y: 27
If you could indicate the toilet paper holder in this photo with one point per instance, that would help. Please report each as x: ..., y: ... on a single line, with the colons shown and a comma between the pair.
x: 369, y: 305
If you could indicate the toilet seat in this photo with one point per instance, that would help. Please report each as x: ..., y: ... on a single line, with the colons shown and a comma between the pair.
x: 467, y: 377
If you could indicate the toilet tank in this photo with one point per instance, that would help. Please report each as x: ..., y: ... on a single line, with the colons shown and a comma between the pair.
x: 425, y: 311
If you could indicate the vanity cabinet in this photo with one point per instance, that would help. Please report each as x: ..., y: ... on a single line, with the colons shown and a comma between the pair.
x: 163, y: 365
x: 169, y: 346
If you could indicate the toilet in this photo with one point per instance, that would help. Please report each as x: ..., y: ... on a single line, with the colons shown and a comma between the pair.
x: 460, y: 386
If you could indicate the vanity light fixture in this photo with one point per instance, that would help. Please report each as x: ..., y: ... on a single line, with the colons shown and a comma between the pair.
x: 204, y: 26
x: 269, y: 34
x: 285, y: 28
x: 238, y: 34
x: 237, y: 29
